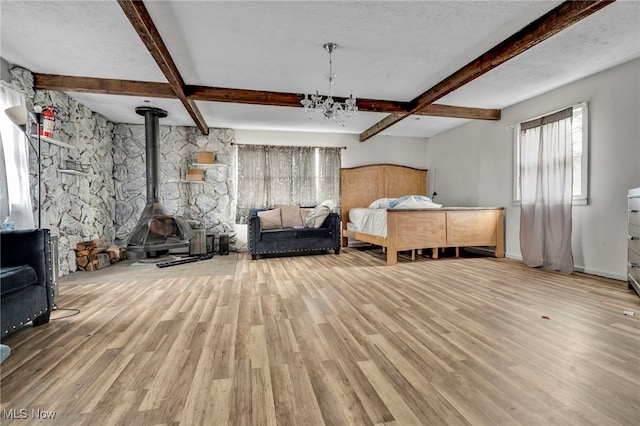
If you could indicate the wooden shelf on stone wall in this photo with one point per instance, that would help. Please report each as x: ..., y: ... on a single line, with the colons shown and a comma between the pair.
x: 62, y: 145
x: 74, y: 172
x: 184, y: 181
x: 208, y: 164
x: 53, y: 141
x: 74, y: 167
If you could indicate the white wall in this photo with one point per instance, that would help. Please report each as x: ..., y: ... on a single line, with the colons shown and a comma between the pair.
x: 381, y: 149
x: 473, y: 165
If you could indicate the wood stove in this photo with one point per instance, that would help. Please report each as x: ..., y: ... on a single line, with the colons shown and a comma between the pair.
x: 157, y: 232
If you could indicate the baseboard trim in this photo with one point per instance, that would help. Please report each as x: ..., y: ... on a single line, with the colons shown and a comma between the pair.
x: 513, y: 256
x: 599, y: 273
x: 578, y: 268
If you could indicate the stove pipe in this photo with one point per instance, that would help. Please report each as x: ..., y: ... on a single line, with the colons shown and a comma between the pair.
x: 152, y: 145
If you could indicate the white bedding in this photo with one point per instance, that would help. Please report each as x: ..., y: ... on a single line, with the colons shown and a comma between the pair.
x: 369, y: 221
x: 373, y: 221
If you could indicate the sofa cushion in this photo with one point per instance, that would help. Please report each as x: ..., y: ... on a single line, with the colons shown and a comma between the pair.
x: 270, y: 219
x: 15, y: 278
x: 288, y: 234
x: 290, y: 215
x: 283, y: 234
x: 314, y: 233
x: 304, y: 212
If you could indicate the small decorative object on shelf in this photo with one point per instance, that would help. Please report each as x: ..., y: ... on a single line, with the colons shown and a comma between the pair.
x: 206, y: 157
x: 194, y: 174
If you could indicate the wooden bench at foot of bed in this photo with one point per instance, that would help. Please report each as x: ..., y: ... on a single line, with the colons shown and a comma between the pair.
x: 409, y: 229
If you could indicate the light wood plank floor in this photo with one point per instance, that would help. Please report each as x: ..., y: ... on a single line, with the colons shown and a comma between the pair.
x: 339, y: 340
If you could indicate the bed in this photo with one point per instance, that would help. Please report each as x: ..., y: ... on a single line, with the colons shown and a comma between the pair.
x: 415, y: 229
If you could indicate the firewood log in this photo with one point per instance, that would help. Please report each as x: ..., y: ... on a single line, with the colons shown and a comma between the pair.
x: 82, y: 261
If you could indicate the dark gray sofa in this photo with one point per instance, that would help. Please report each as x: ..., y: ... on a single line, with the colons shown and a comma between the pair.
x: 293, y: 240
x: 26, y: 278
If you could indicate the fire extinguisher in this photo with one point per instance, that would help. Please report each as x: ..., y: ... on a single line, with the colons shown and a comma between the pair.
x: 48, y: 121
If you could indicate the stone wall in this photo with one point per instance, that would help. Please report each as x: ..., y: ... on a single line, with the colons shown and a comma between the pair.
x: 211, y: 203
x: 75, y: 208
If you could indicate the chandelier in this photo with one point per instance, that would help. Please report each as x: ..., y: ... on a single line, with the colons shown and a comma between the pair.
x: 331, y: 109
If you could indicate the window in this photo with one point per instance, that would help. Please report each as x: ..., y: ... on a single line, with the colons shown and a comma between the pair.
x: 580, y: 149
x: 15, y: 189
x: 269, y: 175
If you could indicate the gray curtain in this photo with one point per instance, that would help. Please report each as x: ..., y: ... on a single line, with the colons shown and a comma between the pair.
x: 546, y: 182
x: 329, y: 163
x: 269, y: 175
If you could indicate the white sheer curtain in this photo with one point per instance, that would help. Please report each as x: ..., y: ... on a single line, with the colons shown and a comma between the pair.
x: 546, y: 182
x: 14, y: 169
x: 301, y: 175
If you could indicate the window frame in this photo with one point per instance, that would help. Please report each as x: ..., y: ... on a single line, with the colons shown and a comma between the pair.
x: 578, y: 199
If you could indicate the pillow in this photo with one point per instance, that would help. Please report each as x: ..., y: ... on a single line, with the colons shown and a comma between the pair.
x: 290, y: 215
x: 270, y: 219
x: 414, y: 202
x: 304, y: 212
x: 329, y: 203
x: 381, y: 203
x: 316, y: 216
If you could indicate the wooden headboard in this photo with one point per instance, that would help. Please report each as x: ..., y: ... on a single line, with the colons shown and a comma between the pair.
x: 360, y: 186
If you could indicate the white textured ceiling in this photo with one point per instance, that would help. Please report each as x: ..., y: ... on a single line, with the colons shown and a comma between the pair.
x: 392, y: 50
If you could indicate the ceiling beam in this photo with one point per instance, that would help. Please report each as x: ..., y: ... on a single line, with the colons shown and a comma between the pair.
x: 65, y: 83
x: 141, y: 20
x: 556, y: 20
x: 439, y: 110
x: 257, y: 97
x: 243, y: 96
x: 103, y: 86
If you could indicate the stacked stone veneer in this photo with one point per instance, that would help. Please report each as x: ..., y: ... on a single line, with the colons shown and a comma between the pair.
x: 108, y: 202
x: 75, y: 208
x: 211, y: 204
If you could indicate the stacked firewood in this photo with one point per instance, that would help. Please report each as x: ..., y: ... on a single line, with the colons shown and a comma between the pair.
x: 96, y: 254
